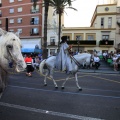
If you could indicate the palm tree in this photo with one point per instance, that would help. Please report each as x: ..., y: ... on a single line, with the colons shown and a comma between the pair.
x: 59, y: 6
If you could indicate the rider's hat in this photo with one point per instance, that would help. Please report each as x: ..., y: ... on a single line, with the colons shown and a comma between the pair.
x: 64, y: 39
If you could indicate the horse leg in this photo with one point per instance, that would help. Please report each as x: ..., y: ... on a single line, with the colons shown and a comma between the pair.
x: 76, y: 79
x: 51, y: 76
x: 46, y: 74
x: 65, y: 81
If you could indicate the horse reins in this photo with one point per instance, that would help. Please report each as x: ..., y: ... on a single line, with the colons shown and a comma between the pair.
x: 76, y: 62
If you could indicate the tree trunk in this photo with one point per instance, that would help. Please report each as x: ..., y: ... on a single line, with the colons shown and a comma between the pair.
x: 59, y: 32
x: 45, y: 53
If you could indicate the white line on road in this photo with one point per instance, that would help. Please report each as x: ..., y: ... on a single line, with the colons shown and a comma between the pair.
x: 82, y: 94
x: 48, y: 112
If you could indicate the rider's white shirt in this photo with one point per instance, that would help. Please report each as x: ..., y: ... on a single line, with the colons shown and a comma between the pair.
x: 96, y: 59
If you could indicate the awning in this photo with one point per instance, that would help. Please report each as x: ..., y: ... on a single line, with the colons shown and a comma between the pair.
x: 31, y: 50
x: 37, y: 51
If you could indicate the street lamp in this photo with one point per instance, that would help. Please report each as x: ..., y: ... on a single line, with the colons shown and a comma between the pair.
x: 78, y: 41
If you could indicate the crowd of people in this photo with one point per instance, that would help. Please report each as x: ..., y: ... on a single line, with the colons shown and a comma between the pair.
x: 32, y: 62
x: 63, y: 58
x: 115, y: 57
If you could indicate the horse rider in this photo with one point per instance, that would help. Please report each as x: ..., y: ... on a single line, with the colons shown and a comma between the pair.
x: 63, y: 59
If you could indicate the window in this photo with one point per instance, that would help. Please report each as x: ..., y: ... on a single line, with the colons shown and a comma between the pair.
x: 68, y: 38
x: 11, y: 1
x: 105, y: 37
x: 52, y: 40
x: 0, y: 13
x: 0, y: 22
x: 90, y: 37
x: 11, y: 10
x: 34, y: 31
x: 20, y: 9
x: 35, y: 20
x: 11, y: 21
x: 19, y: 20
x: 19, y: 30
x: 19, y: 0
x: 102, y: 22
x: 35, y: 10
x: 109, y: 22
x: 52, y: 51
x: 78, y: 37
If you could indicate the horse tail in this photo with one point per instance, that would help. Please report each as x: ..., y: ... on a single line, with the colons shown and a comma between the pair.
x: 41, y: 66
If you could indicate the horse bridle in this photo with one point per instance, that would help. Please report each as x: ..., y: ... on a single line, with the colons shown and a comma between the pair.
x: 76, y: 62
x: 12, y: 58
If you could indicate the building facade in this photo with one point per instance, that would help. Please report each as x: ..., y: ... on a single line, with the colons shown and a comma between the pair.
x: 20, y: 16
x: 103, y: 33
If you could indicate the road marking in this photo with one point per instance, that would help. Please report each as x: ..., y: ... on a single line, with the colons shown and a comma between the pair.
x: 48, y: 112
x: 106, y: 79
x: 82, y: 94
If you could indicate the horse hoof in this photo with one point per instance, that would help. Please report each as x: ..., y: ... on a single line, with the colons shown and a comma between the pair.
x: 80, y: 89
x: 62, y: 87
x: 45, y: 84
x: 56, y: 87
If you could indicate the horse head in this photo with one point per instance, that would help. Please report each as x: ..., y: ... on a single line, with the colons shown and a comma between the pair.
x: 10, y: 46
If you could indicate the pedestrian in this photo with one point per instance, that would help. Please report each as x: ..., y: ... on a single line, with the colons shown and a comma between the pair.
x: 115, y: 62
x: 63, y: 60
x: 28, y: 61
x: 96, y: 61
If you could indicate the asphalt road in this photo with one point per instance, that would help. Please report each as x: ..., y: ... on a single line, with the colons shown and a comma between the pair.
x: 26, y: 98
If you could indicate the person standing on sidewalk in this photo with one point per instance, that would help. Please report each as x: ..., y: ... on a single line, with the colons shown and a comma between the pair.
x: 96, y: 61
x: 28, y: 61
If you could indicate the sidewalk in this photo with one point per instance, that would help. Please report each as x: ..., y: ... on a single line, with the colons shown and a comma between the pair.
x: 104, y: 68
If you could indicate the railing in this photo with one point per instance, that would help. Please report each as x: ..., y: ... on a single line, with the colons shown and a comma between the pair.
x: 106, y: 42
x: 34, y: 33
x: 52, y: 43
x: 82, y: 42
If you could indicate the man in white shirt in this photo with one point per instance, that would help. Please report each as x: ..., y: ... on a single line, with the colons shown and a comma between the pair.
x: 105, y: 55
x: 115, y: 62
x: 96, y: 61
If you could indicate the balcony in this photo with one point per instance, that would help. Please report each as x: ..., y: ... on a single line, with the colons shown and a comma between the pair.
x: 82, y: 42
x: 52, y: 43
x: 106, y: 43
x: 33, y: 34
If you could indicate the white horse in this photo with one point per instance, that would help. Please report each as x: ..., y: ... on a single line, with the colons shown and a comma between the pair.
x: 10, y: 50
x: 50, y: 66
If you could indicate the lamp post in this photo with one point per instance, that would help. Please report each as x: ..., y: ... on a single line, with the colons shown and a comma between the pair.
x: 78, y: 41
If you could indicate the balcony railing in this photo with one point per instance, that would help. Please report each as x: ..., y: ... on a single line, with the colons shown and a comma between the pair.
x: 82, y: 42
x: 106, y: 42
x: 52, y: 43
x: 32, y: 34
